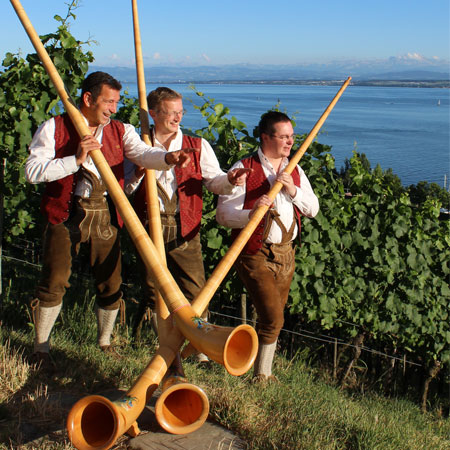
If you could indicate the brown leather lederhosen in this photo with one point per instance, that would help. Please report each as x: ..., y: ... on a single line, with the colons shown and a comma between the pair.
x: 184, y: 257
x: 267, y: 276
x: 89, y: 222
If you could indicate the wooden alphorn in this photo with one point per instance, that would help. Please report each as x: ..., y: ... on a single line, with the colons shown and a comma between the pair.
x: 200, y: 303
x: 151, y: 191
x: 179, y: 307
x: 178, y: 398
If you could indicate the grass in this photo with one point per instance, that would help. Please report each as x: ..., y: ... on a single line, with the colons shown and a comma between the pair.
x: 304, y: 411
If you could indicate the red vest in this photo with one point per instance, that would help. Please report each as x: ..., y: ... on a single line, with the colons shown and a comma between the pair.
x: 256, y: 186
x: 58, y: 195
x: 189, y: 191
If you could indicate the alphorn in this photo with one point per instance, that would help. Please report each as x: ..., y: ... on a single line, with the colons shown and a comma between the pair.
x: 95, y: 422
x: 178, y: 398
x: 151, y: 192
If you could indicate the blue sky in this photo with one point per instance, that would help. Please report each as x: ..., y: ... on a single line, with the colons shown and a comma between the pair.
x: 257, y: 32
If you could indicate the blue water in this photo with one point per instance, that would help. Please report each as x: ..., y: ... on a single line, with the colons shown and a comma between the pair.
x: 400, y: 128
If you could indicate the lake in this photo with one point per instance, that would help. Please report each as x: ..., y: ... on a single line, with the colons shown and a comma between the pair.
x: 406, y: 129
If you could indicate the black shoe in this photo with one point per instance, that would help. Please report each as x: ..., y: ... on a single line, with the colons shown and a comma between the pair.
x: 111, y: 351
x: 42, y: 361
x: 206, y: 364
x: 264, y: 379
x: 144, y: 314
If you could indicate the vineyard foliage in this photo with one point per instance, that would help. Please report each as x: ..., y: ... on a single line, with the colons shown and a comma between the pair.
x: 371, y: 262
x: 28, y: 98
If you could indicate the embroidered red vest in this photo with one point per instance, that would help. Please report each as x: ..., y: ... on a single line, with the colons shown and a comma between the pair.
x: 256, y: 186
x: 58, y: 195
x: 189, y: 191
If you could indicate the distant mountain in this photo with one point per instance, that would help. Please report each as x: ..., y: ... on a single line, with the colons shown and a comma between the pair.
x: 407, y: 67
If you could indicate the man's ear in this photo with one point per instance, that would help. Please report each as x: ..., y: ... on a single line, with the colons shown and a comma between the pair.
x: 152, y: 113
x: 263, y: 138
x: 87, y: 99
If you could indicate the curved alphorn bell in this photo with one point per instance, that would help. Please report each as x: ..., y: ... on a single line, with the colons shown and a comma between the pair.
x: 95, y: 422
x: 182, y: 407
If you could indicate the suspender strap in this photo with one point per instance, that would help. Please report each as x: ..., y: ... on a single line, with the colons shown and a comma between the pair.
x: 273, y: 215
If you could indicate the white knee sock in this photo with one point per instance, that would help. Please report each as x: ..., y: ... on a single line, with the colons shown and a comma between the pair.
x: 201, y: 357
x: 105, y: 324
x: 263, y: 362
x: 45, y: 320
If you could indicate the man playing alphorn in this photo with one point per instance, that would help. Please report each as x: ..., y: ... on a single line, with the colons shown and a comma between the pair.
x: 77, y: 207
x: 180, y: 196
x: 266, y: 264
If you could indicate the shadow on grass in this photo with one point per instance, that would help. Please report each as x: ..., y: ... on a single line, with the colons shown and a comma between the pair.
x: 40, y: 407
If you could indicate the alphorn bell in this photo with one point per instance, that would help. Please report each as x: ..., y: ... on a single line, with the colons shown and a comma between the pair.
x: 182, y: 407
x: 236, y: 348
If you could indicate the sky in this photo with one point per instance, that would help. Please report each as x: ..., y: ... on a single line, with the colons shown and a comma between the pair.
x: 200, y: 32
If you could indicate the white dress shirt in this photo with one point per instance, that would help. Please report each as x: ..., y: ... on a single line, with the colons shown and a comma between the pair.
x: 42, y: 166
x: 213, y: 177
x: 230, y: 212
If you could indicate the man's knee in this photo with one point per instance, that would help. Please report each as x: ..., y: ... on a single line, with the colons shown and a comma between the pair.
x: 109, y: 302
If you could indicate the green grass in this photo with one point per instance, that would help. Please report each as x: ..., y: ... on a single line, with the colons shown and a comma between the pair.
x: 304, y: 411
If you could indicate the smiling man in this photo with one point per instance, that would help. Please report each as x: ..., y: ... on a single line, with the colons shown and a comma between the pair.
x: 76, y: 205
x: 180, y: 197
x: 266, y: 264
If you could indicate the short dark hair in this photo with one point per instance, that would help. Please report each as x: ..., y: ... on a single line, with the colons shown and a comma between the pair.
x: 93, y: 83
x: 160, y: 94
x: 269, y: 119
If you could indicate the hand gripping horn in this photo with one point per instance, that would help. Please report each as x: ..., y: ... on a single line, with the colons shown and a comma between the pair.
x: 234, y: 348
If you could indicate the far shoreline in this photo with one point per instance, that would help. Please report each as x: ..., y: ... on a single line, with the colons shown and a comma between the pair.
x: 437, y: 84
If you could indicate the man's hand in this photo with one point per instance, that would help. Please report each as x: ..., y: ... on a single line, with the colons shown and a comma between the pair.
x: 139, y: 172
x: 264, y: 200
x: 288, y: 183
x: 87, y: 144
x: 237, y: 177
x: 180, y: 158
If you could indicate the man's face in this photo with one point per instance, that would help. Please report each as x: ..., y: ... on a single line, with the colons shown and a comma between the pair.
x: 99, y: 112
x: 279, y: 143
x: 168, y: 116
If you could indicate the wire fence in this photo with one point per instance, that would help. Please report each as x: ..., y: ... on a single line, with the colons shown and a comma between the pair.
x: 30, y: 247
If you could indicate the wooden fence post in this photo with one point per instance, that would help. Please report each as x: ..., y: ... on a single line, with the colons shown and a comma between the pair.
x: 243, y: 308
x: 335, y: 358
x: 2, y: 174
